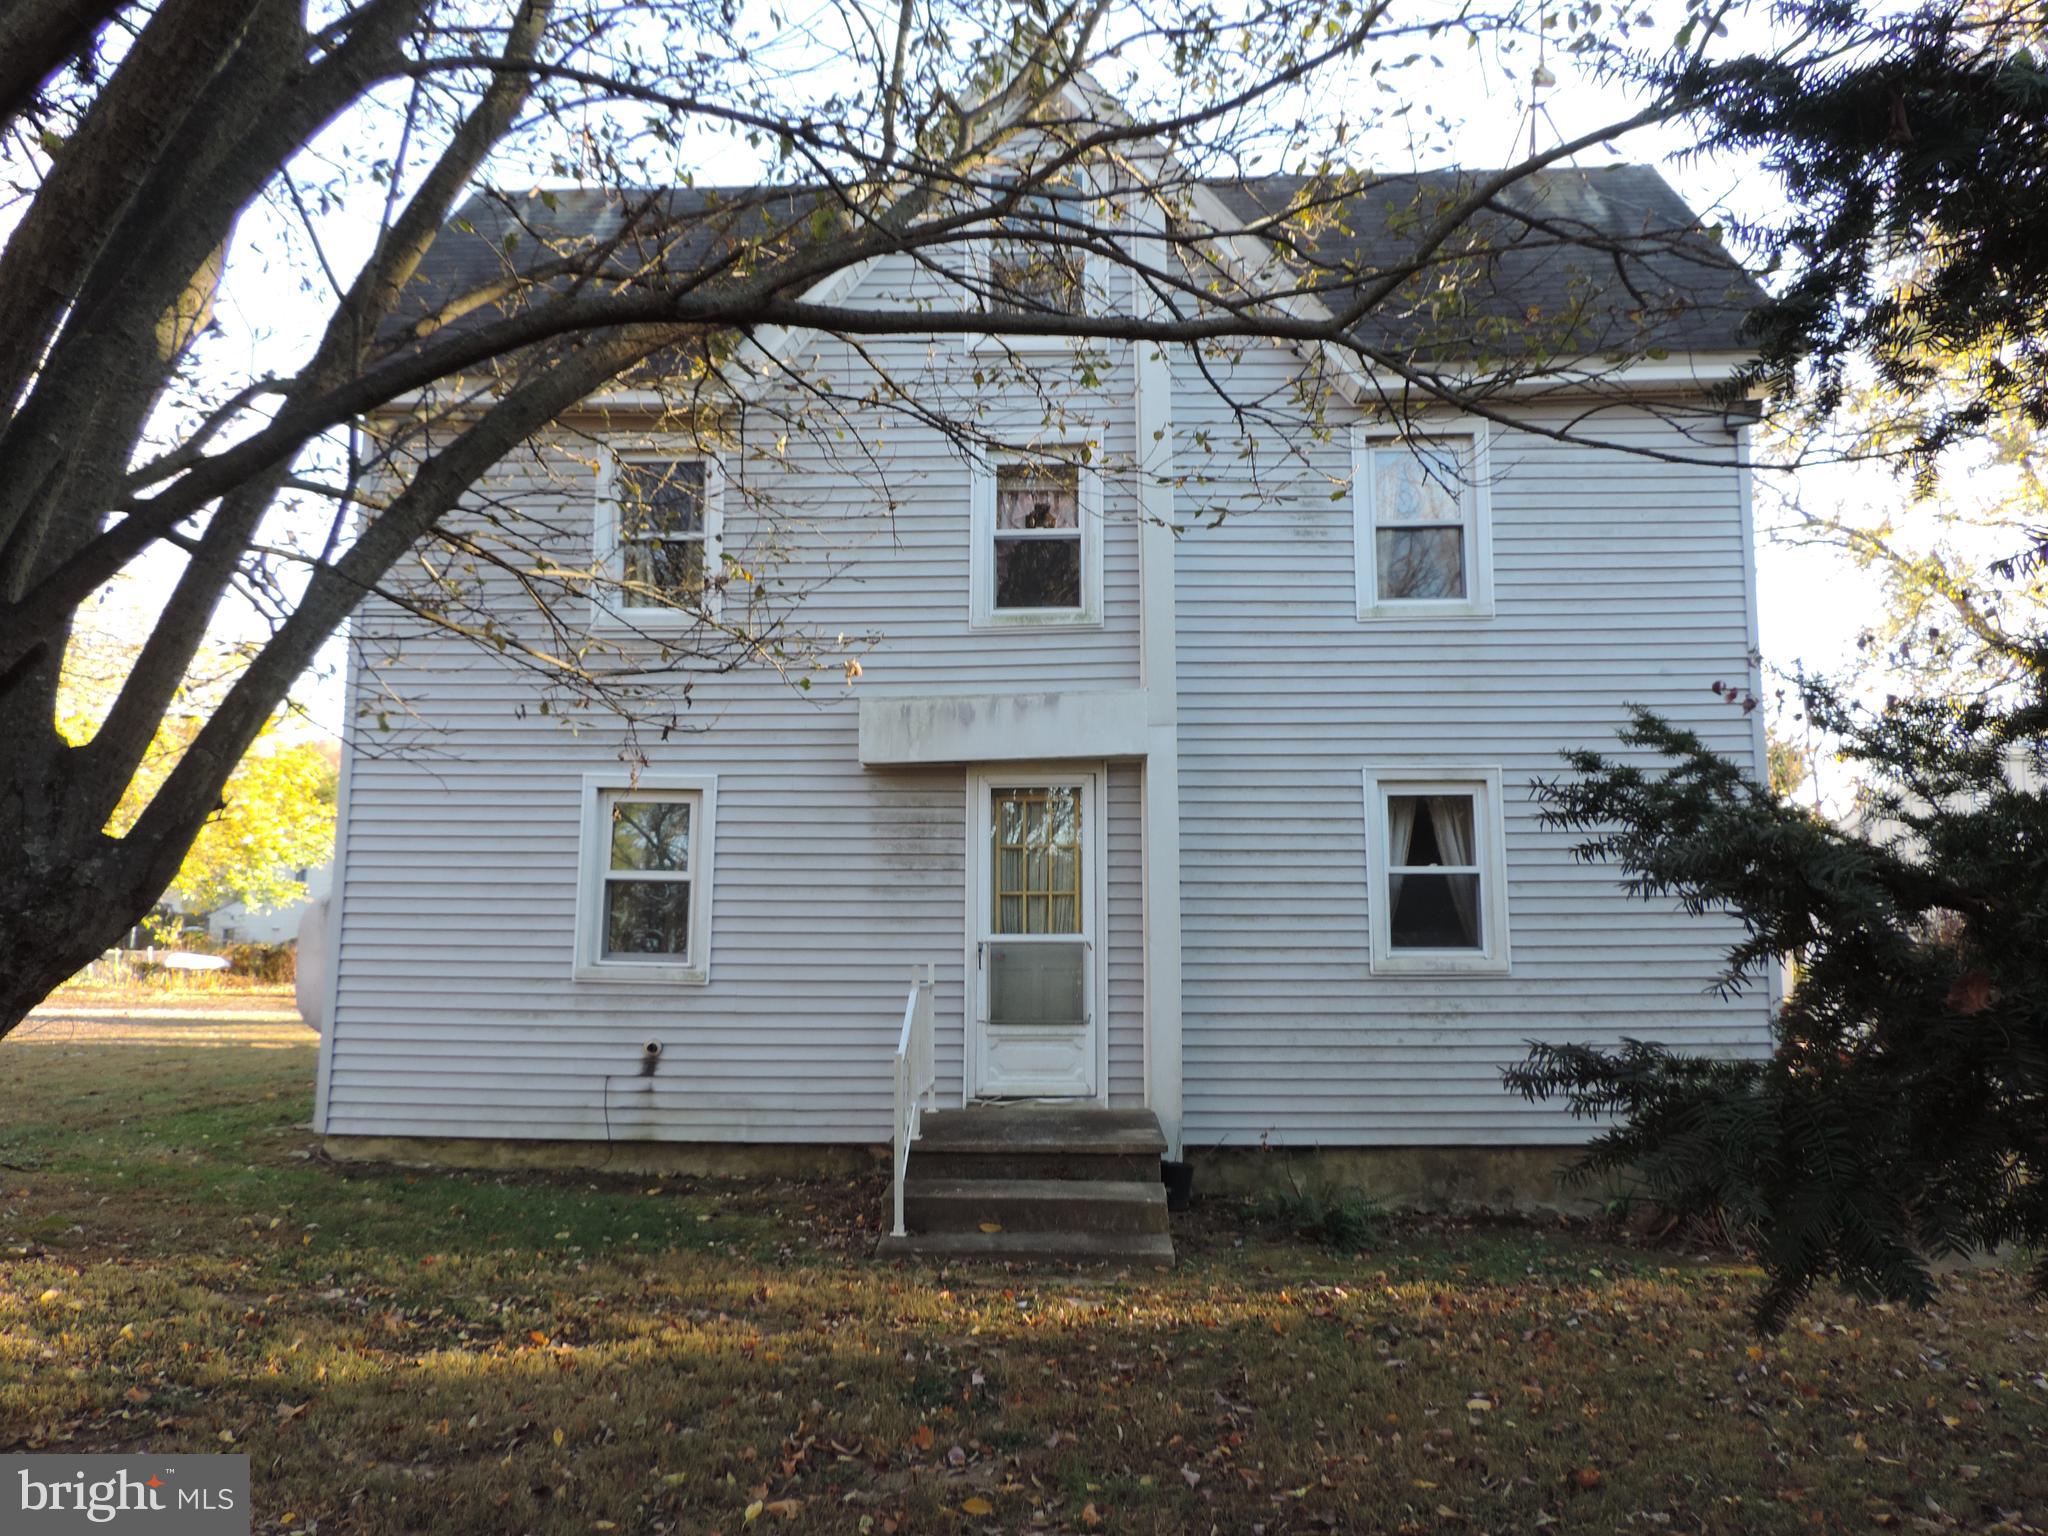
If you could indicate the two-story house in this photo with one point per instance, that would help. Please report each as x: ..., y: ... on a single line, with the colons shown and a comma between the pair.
x: 1189, y: 755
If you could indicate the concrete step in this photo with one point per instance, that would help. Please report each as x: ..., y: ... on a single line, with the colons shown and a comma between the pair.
x: 1034, y: 1205
x: 1039, y: 1141
x: 1066, y: 1167
x: 1044, y: 1128
x: 1128, y: 1250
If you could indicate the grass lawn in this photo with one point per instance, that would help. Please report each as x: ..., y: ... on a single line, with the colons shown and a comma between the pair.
x: 412, y: 1352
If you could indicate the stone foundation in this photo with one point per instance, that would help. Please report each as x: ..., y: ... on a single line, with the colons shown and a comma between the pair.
x: 1406, y: 1178
x: 700, y: 1159
x: 1401, y: 1178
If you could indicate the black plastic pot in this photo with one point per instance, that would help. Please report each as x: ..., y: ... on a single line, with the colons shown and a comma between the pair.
x: 1179, y: 1179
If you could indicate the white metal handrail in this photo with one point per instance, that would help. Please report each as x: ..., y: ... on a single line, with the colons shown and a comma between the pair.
x: 917, y: 1081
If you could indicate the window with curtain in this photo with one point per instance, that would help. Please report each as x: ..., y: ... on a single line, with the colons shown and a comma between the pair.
x: 1434, y: 889
x: 1421, y: 502
x: 1436, y: 867
x: 1038, y: 549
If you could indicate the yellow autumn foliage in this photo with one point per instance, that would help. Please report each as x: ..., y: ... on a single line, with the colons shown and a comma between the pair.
x: 276, y: 815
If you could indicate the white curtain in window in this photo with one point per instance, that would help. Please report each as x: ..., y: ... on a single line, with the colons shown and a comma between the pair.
x: 1400, y: 827
x: 1454, y: 846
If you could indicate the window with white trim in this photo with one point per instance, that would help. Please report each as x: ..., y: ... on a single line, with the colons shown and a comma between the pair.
x: 1037, y: 531
x: 1029, y: 260
x: 1434, y: 853
x: 1032, y: 268
x: 644, y: 899
x: 660, y: 531
x: 1423, y: 519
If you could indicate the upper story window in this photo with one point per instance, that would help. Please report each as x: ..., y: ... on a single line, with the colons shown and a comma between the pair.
x: 659, y: 528
x: 1438, y: 899
x: 1031, y: 257
x: 643, y: 912
x: 1424, y: 525
x: 1032, y: 269
x: 662, y: 531
x: 1037, y: 531
x: 1038, y: 555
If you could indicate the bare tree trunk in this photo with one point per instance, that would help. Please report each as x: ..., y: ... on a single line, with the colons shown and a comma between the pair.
x: 69, y: 900
x: 38, y: 39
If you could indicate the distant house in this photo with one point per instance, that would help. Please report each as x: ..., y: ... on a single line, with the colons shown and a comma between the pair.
x: 1231, y: 825
x: 234, y: 923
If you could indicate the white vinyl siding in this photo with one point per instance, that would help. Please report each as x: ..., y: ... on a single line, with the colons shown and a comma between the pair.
x: 458, y: 1013
x: 1616, y: 579
x: 1124, y: 948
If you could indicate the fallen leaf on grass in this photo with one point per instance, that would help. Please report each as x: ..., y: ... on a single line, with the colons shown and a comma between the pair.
x: 977, y: 1507
x: 1089, y: 1516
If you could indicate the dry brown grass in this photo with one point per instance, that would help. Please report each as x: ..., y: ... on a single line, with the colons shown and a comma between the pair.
x: 182, y: 991
x: 419, y: 1352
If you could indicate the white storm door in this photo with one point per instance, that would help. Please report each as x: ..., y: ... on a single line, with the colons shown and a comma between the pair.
x: 1035, y: 899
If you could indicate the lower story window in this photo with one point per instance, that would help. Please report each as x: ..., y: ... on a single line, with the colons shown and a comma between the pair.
x: 646, y: 880
x: 1438, y: 897
x: 647, y: 883
x: 1433, y: 885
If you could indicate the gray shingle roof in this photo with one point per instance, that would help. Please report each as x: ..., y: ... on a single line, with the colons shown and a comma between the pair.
x: 495, y: 238
x: 1573, y: 260
x: 1585, y: 260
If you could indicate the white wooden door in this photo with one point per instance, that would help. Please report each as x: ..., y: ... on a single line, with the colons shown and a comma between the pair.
x: 1035, y: 897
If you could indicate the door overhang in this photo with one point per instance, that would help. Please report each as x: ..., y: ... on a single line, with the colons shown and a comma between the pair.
x: 1003, y: 727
